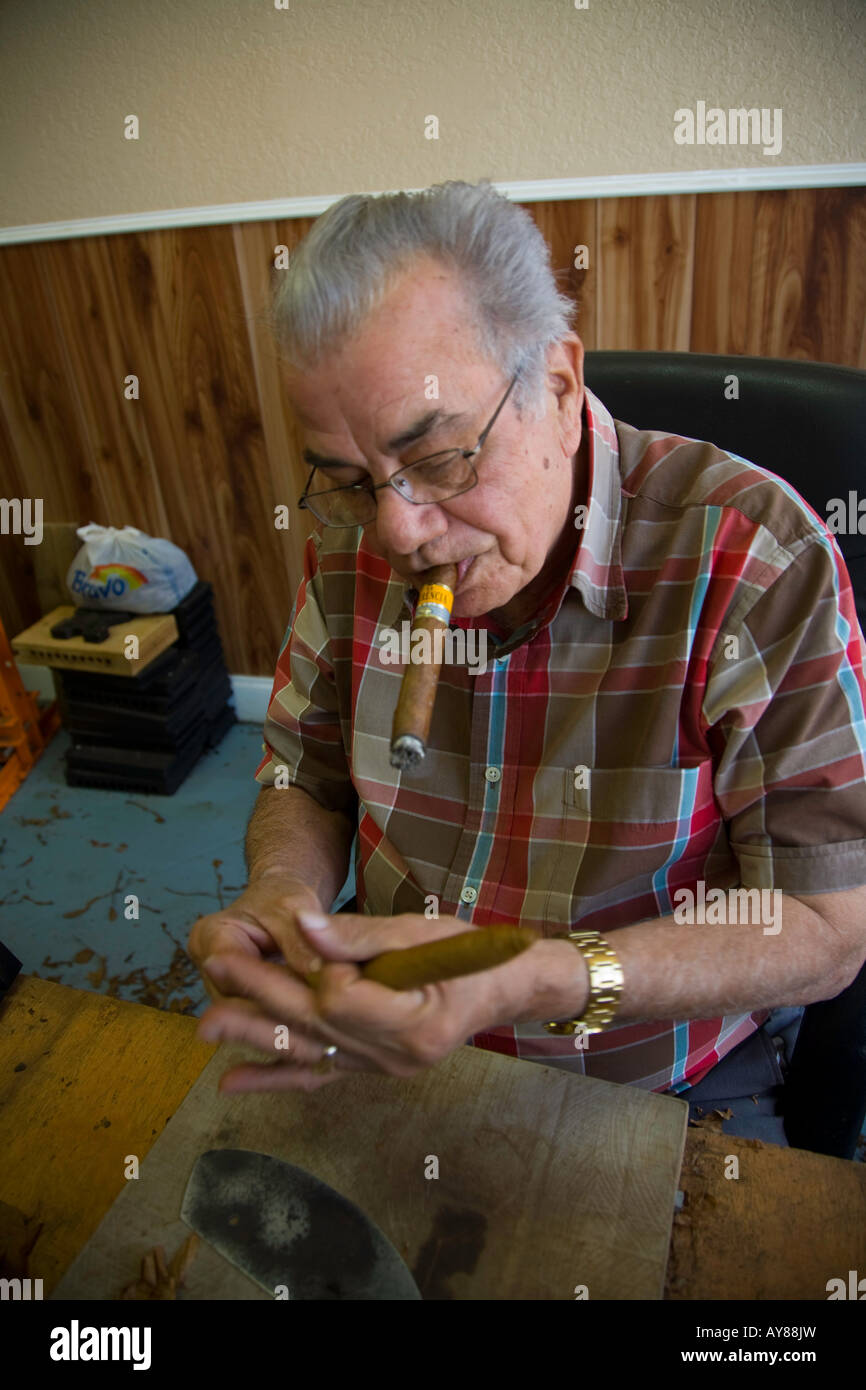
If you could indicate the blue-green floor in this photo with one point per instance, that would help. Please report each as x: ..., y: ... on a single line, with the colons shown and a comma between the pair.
x: 70, y: 856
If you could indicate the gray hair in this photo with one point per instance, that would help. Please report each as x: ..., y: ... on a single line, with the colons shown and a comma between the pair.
x: 351, y: 255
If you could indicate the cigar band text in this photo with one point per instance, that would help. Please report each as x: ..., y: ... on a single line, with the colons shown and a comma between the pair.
x: 435, y: 596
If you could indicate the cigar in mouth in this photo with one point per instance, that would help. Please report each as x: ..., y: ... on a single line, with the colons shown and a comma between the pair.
x: 418, y: 689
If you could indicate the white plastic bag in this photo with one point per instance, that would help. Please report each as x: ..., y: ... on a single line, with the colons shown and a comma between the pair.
x: 127, y: 569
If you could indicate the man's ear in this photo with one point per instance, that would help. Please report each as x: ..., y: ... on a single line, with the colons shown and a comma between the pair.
x: 566, y: 368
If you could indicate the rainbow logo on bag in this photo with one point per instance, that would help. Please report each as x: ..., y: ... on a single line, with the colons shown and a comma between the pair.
x: 107, y: 580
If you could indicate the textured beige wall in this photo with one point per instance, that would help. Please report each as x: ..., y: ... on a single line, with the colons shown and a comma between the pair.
x: 239, y: 101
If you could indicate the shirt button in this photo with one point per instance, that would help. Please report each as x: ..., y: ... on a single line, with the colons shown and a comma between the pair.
x: 468, y: 895
x: 492, y: 774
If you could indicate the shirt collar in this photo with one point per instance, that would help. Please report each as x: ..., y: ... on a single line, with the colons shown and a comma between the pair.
x: 597, y: 572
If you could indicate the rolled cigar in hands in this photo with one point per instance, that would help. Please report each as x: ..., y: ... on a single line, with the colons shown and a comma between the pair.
x: 420, y: 679
x: 463, y: 954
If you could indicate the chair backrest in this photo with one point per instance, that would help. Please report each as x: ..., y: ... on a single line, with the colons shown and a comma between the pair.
x: 805, y: 421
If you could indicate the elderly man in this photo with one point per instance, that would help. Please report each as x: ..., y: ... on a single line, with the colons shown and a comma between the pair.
x: 673, y: 706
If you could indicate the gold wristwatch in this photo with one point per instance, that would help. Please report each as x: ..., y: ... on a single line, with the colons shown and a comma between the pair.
x: 605, y: 984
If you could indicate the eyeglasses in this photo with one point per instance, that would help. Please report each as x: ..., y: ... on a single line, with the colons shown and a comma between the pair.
x: 431, y: 479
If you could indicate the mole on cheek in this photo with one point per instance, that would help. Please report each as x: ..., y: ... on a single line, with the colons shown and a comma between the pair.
x: 547, y: 463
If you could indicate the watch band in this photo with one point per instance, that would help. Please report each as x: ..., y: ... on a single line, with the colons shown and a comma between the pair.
x: 605, y: 984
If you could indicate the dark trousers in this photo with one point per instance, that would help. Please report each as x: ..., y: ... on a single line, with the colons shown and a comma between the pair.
x: 749, y: 1081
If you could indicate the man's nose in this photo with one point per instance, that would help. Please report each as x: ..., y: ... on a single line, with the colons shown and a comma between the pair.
x: 403, y: 527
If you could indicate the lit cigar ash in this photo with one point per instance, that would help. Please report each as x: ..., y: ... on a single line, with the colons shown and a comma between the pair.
x: 418, y: 690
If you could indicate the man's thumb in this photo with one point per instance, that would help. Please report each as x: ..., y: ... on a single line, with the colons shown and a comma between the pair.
x: 312, y: 921
x: 320, y: 930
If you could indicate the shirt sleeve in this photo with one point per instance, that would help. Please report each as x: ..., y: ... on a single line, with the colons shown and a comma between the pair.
x: 303, y: 736
x: 784, y: 702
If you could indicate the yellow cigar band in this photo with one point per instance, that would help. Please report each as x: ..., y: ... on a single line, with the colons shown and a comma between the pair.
x: 439, y: 594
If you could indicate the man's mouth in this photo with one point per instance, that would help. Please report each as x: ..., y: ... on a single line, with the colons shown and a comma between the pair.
x: 462, y: 567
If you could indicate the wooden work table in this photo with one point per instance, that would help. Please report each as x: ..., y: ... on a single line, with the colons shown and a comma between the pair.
x: 86, y: 1080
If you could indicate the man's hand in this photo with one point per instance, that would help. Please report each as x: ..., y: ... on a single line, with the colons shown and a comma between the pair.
x: 398, y: 1032
x: 262, y: 922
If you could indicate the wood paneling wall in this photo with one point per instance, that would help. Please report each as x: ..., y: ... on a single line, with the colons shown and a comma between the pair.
x: 209, y: 450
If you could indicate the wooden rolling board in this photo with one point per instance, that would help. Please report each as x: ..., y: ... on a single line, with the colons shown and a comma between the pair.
x: 546, y: 1180
x: 155, y: 632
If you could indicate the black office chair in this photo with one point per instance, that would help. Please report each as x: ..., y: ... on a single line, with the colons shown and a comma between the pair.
x: 806, y: 422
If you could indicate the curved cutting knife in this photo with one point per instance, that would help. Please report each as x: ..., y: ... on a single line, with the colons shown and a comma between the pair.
x: 285, y: 1228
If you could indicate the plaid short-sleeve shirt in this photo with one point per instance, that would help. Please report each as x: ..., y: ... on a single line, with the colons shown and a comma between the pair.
x: 685, y: 712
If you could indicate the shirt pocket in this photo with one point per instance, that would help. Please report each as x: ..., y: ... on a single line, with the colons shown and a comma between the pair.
x: 629, y: 836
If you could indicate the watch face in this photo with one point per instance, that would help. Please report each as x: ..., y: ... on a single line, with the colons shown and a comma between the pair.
x: 605, y: 976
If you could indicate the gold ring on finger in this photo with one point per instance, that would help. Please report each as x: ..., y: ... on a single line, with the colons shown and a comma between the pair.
x: 327, y: 1062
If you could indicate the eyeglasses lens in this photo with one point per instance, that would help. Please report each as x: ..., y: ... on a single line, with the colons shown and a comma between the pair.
x: 430, y: 480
